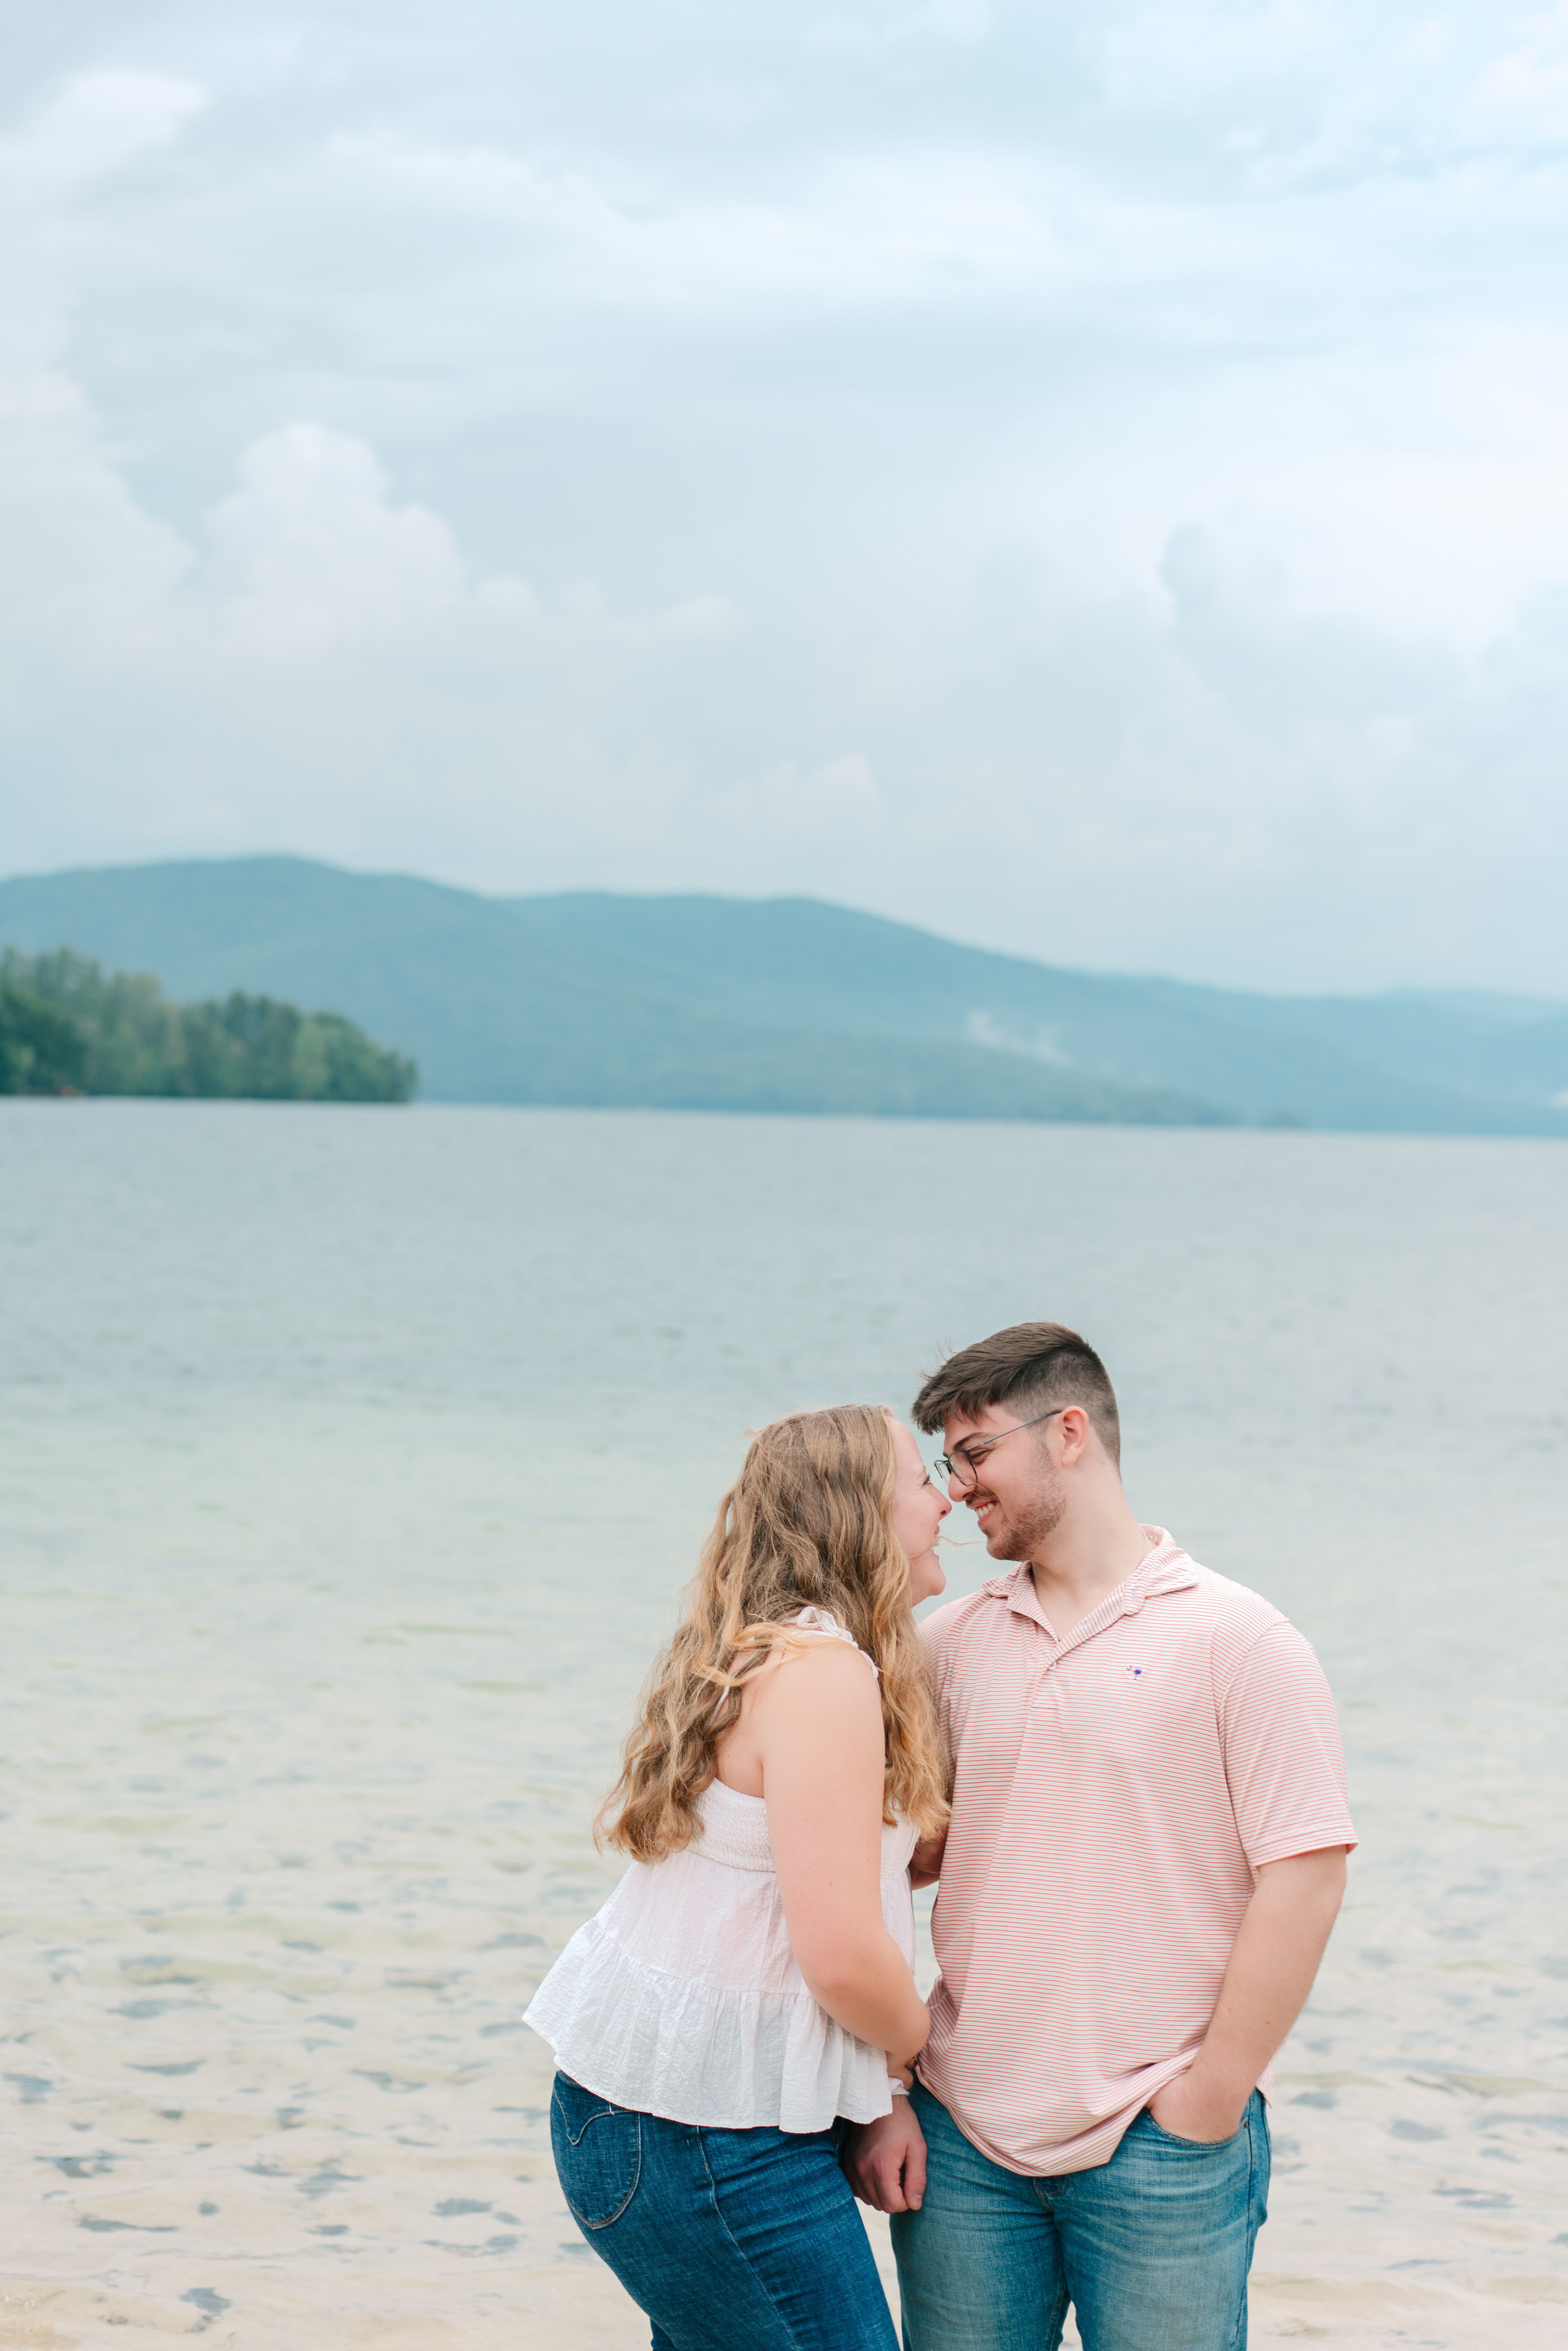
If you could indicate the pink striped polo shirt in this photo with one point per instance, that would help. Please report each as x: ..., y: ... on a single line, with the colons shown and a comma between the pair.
x: 1113, y: 1794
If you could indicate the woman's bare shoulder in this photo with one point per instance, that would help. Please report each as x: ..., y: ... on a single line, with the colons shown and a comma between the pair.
x: 812, y: 1674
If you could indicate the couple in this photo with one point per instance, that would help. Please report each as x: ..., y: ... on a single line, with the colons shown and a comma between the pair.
x: 1127, y: 1774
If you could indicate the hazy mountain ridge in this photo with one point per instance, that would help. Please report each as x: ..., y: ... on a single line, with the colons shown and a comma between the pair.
x: 705, y: 1002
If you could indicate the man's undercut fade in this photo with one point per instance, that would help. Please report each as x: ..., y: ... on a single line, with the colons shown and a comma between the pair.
x: 1029, y: 1368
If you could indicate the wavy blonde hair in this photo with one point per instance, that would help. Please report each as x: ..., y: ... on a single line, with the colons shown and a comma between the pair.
x: 807, y: 1524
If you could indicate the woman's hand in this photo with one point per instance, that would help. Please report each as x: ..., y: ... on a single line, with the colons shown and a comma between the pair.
x: 902, y: 2069
x: 925, y: 1861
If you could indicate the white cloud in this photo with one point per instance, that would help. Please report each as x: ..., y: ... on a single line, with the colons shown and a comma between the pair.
x: 1527, y: 85
x: 97, y: 123
x: 876, y: 32
x: 310, y: 552
x: 792, y: 814
x: 1102, y: 777
x: 701, y: 618
x: 82, y: 565
x: 1156, y: 57
x: 1094, y: 478
x: 943, y: 226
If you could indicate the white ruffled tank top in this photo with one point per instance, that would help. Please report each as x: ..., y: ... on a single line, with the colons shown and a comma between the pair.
x: 680, y: 1997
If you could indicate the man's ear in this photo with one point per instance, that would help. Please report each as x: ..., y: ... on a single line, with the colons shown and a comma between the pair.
x: 1073, y: 1423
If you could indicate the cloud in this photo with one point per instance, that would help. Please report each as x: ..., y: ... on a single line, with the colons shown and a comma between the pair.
x: 888, y: 229
x: 94, y: 126
x: 307, y: 555
x: 1160, y: 58
x: 795, y: 818
x: 1093, y: 777
x: 309, y: 551
x: 1527, y: 85
x: 1093, y: 478
x: 82, y: 565
x: 876, y: 33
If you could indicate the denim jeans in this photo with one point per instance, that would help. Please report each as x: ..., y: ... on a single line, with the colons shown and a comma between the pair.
x: 1152, y: 2249
x: 725, y: 2238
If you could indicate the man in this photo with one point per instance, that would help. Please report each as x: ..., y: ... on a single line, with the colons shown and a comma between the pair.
x: 1145, y: 1857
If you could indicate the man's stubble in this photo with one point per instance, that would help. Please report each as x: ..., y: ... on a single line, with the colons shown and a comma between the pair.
x: 1022, y: 1536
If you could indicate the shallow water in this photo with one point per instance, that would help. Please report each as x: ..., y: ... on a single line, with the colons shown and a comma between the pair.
x: 352, y: 1461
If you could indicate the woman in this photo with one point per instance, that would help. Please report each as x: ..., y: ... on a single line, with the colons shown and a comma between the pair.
x: 750, y: 1979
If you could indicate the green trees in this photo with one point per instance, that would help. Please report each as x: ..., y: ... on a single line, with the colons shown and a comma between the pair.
x: 66, y: 1025
x: 42, y: 1052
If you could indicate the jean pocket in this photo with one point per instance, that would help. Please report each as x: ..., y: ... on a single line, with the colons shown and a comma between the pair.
x: 597, y: 2149
x: 1191, y: 2145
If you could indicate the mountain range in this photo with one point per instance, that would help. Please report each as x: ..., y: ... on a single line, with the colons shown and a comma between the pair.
x: 790, y: 1004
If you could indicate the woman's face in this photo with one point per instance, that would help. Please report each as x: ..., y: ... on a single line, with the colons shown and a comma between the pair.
x: 918, y: 1510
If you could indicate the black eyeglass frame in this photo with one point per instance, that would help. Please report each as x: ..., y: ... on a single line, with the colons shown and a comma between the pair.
x: 972, y: 1459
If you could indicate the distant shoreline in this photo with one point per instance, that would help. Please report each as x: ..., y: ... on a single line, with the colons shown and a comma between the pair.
x: 422, y: 1112
x: 68, y: 1028
x: 791, y: 1007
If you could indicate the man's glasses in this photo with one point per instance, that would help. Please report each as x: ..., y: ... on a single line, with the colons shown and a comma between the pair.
x: 962, y: 1465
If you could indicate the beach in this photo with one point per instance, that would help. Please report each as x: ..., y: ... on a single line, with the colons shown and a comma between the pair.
x: 354, y: 1460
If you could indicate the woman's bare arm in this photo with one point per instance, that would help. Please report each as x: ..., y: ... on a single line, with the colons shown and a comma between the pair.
x: 818, y: 1729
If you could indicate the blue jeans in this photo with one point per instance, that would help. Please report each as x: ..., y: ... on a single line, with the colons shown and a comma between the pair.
x: 725, y: 2238
x: 1152, y: 2249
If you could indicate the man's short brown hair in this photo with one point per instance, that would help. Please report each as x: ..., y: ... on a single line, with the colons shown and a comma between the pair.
x: 1028, y: 1367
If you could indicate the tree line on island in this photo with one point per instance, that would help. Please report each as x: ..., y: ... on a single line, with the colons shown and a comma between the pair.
x: 67, y: 1027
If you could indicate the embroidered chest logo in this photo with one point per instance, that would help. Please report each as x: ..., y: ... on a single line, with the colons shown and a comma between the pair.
x: 1135, y: 1671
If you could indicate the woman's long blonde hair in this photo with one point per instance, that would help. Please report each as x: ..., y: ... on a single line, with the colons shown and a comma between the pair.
x: 807, y: 1524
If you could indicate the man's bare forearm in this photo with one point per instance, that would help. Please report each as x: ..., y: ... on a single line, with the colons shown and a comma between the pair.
x: 1275, y: 1958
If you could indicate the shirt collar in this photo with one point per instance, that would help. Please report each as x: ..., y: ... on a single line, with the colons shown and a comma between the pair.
x: 1165, y: 1567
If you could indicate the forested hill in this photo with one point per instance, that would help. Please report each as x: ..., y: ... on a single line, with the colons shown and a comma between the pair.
x: 69, y: 1027
x: 790, y: 1004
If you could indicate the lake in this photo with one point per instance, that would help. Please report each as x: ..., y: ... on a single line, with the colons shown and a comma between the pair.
x: 352, y: 1462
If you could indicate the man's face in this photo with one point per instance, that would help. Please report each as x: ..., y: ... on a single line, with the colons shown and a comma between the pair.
x: 1017, y: 1495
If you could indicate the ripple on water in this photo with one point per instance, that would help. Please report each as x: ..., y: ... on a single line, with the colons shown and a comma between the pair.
x: 333, y: 1563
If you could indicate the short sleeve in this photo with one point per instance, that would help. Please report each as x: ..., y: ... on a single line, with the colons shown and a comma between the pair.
x: 1283, y: 1759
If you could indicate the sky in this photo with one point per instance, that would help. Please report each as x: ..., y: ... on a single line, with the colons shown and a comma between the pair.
x: 1092, y: 479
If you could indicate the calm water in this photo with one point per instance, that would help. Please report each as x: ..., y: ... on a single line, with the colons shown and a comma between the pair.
x: 351, y: 1463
